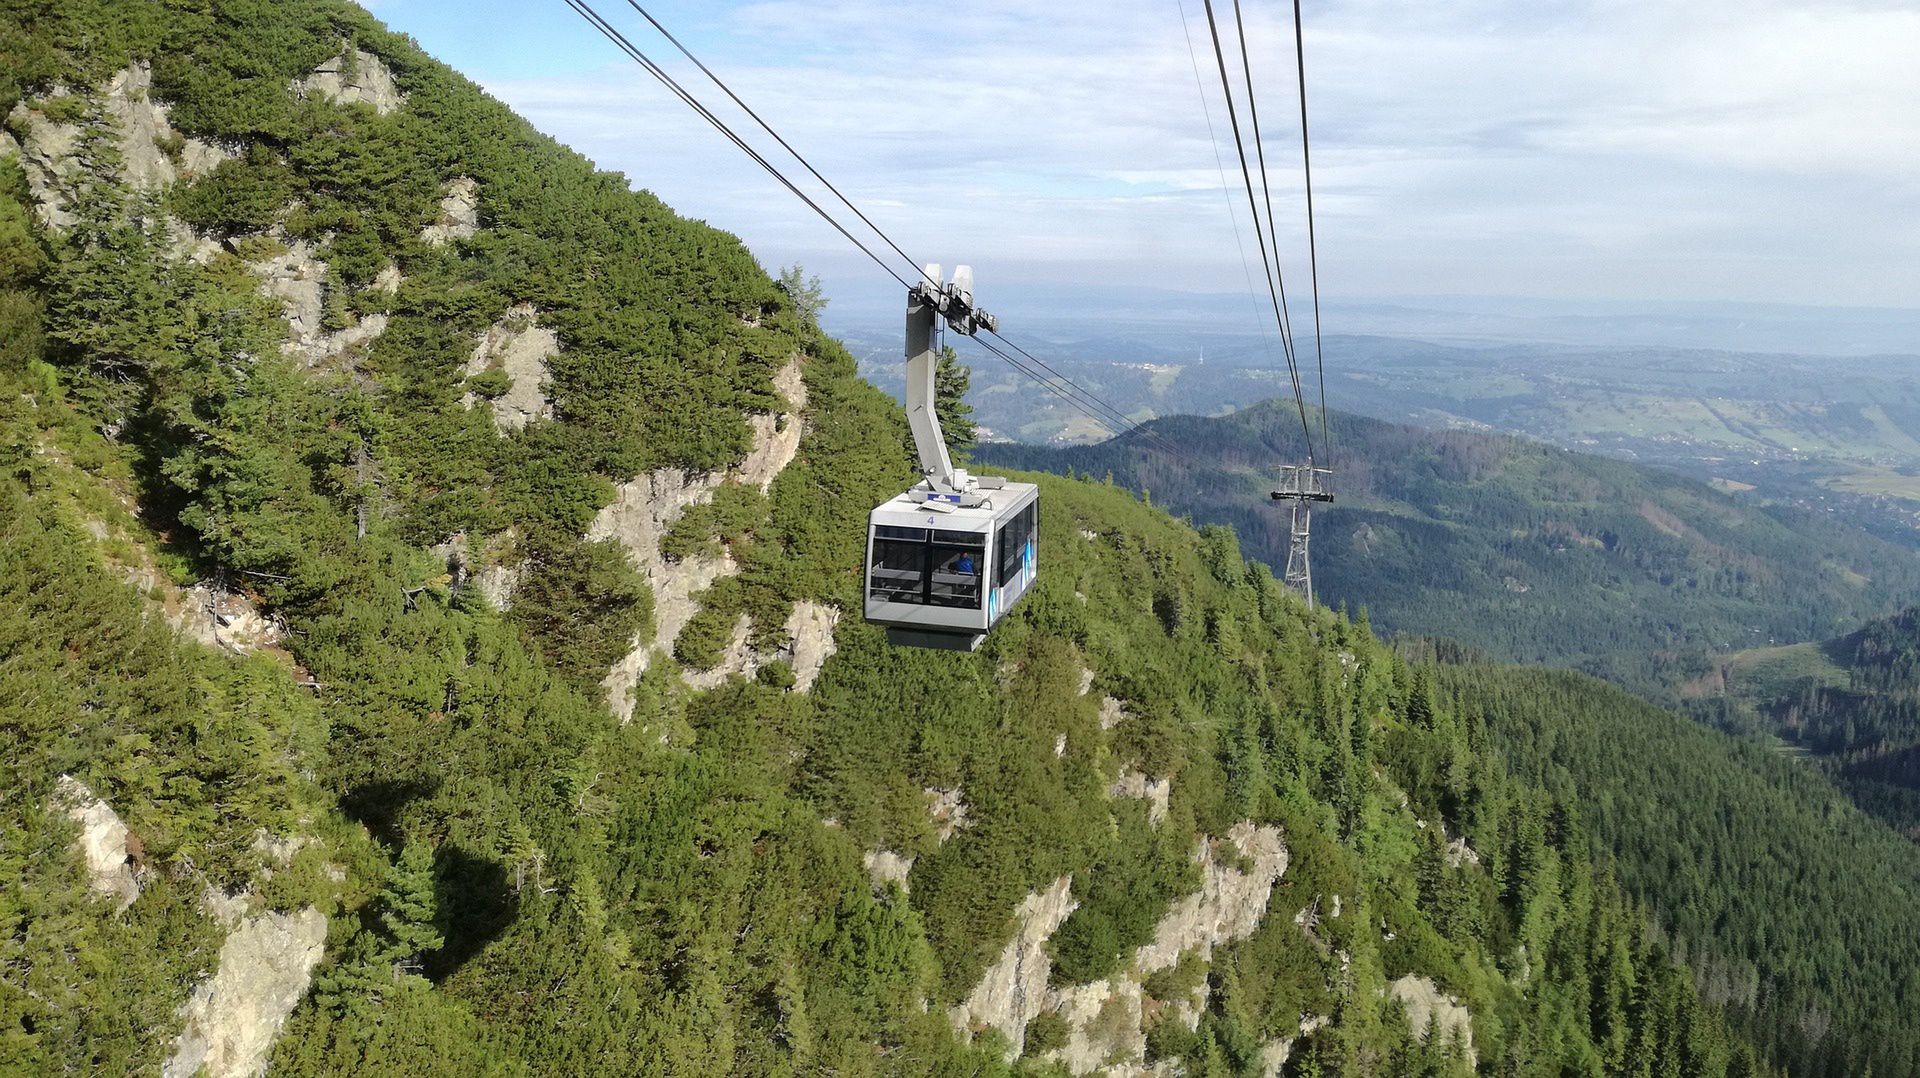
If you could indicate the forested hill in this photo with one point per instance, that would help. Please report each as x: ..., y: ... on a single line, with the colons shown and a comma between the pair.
x: 429, y: 575
x: 1851, y: 704
x: 1794, y: 909
x: 1530, y: 552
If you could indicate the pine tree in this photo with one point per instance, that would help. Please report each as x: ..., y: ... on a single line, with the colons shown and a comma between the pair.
x: 408, y: 908
x: 951, y: 379
x: 803, y: 291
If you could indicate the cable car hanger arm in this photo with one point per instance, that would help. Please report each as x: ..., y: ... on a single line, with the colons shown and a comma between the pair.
x: 928, y: 302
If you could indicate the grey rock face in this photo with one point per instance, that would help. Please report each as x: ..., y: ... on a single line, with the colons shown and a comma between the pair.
x: 103, y: 842
x: 49, y: 155
x: 361, y: 79
x: 141, y: 126
x: 519, y: 345
x: 645, y: 509
x: 232, y: 1017
x: 1014, y: 989
x: 1429, y: 1008
x: 137, y: 124
x: 459, y: 213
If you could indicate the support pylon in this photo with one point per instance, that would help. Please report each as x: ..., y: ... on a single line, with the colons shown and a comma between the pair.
x: 1300, y: 486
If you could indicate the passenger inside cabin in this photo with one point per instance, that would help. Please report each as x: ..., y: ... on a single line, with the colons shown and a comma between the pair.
x: 964, y: 565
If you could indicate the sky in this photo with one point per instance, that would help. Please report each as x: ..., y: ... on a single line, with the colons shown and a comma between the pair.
x: 1755, y: 151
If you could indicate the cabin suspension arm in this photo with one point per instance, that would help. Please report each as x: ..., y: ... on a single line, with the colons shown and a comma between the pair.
x: 928, y: 302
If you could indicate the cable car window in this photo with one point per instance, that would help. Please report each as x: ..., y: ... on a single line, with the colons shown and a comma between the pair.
x: 1012, y: 544
x: 899, y: 571
x: 956, y: 577
x: 888, y: 531
x: 974, y: 539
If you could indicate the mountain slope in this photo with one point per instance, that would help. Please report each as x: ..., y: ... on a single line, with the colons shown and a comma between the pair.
x: 1851, y: 704
x: 436, y: 564
x: 1794, y: 909
x: 1532, y: 553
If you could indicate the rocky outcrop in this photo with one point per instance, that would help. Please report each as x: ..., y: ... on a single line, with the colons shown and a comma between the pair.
x: 1459, y: 853
x: 947, y: 810
x: 1428, y: 1008
x: 519, y: 346
x: 137, y: 124
x: 884, y: 868
x: 645, y: 508
x: 141, y: 126
x: 1107, y: 1019
x: 810, y: 628
x: 232, y: 1017
x: 496, y: 584
x: 227, y: 620
x: 103, y: 842
x: 808, y: 643
x: 642, y: 512
x: 776, y: 438
x: 1154, y: 792
x: 1230, y: 903
x: 49, y: 154
x: 1275, y: 1053
x: 297, y: 277
x: 1112, y: 712
x: 278, y: 850
x: 1106, y: 1027
x: 198, y: 158
x: 355, y: 77
x: 1014, y: 989
x: 459, y: 213
x: 228, y: 909
x: 352, y: 340
x: 487, y: 572
x: 738, y: 658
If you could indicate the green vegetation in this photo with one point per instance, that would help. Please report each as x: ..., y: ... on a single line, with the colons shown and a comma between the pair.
x: 1528, y: 552
x: 1124, y: 892
x: 950, y: 381
x: 1793, y: 909
x: 1852, y: 704
x: 518, y: 883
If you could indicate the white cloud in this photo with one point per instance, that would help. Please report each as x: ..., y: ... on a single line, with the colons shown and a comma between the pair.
x: 1763, y: 150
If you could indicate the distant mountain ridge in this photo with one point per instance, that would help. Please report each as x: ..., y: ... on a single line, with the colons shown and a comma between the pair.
x: 1530, y: 552
x: 1239, y: 321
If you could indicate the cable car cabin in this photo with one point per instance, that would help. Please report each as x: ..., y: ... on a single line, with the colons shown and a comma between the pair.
x: 941, y: 578
x: 947, y: 559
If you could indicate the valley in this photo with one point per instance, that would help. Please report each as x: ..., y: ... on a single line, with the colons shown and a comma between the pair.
x: 432, y: 577
x: 1849, y: 705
